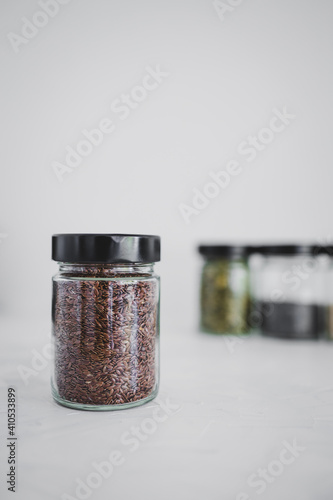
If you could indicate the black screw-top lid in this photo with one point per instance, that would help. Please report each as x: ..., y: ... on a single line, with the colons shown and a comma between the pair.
x: 271, y: 250
x: 225, y: 251
x: 327, y: 250
x: 105, y: 248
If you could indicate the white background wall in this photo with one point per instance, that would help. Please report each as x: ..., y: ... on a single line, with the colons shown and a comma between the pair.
x: 225, y: 77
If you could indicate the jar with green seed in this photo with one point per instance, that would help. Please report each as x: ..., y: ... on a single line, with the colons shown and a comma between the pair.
x: 224, y: 293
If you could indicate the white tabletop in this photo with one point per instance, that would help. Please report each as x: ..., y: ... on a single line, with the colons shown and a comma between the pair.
x: 234, y: 419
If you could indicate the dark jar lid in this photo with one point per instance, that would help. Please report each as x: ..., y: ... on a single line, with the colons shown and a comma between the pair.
x: 105, y: 248
x: 288, y: 250
x: 225, y: 251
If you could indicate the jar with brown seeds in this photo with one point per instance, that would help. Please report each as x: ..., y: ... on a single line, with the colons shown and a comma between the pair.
x: 105, y: 321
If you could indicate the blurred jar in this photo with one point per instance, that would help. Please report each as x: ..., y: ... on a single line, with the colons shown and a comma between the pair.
x: 290, y: 296
x: 224, y: 294
x: 329, y: 335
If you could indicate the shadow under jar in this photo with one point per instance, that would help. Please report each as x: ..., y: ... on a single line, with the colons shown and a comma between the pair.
x: 105, y: 313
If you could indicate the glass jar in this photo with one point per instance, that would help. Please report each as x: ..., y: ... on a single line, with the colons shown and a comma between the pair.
x: 105, y: 314
x: 329, y: 333
x: 290, y: 293
x: 224, y: 293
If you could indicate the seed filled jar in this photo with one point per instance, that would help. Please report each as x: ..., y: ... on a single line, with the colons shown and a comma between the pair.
x: 291, y: 292
x: 105, y: 315
x: 224, y: 291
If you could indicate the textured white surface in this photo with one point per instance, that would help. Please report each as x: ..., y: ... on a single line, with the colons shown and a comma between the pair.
x: 234, y: 406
